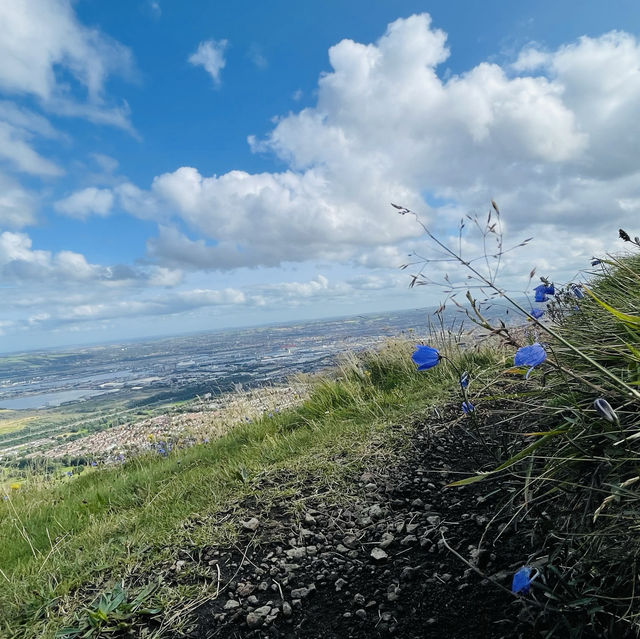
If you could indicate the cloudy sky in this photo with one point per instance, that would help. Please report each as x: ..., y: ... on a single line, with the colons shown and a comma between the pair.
x: 168, y: 166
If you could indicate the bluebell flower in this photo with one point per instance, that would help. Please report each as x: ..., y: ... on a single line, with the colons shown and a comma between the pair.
x: 542, y: 290
x: 595, y: 262
x: 69, y: 473
x: 522, y: 580
x: 464, y: 379
x: 536, y: 313
x: 540, y: 295
x: 94, y: 463
x: 577, y: 291
x: 606, y: 411
x: 425, y: 357
x: 467, y: 407
x: 530, y: 356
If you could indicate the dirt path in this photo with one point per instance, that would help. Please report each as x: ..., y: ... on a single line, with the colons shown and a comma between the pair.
x: 380, y: 565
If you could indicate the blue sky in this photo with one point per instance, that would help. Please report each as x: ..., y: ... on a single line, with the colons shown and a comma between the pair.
x: 169, y: 167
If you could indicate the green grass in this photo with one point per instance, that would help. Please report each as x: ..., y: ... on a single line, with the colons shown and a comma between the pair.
x: 63, y: 537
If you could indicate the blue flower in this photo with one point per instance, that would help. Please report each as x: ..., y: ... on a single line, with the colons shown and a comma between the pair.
x: 542, y: 291
x: 577, y: 291
x: 69, y: 473
x: 467, y: 407
x: 425, y: 357
x: 464, y: 379
x: 595, y: 262
x: 540, y: 296
x: 94, y: 463
x: 536, y: 313
x: 530, y: 356
x: 522, y: 580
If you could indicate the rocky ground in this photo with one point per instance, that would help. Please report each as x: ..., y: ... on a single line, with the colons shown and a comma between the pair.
x: 381, y: 562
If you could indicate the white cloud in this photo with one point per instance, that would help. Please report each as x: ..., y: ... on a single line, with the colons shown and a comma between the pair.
x: 105, y: 162
x: 256, y: 56
x: 63, y: 270
x: 86, y: 202
x: 15, y: 149
x: 39, y: 37
x: 17, y: 206
x: 210, y: 55
x: 554, y: 144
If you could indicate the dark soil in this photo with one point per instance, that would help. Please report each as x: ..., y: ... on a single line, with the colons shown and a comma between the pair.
x: 379, y: 566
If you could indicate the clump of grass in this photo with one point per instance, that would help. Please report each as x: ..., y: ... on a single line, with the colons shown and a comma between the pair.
x: 578, y: 470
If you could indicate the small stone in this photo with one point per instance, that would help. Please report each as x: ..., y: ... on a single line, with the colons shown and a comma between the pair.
x: 407, y: 574
x: 409, y: 540
x: 251, y: 524
x: 252, y: 599
x: 359, y: 599
x: 340, y: 584
x: 386, y: 539
x: 362, y: 613
x: 254, y: 620
x: 180, y: 565
x: 296, y: 553
x: 299, y: 593
x: 263, y: 611
x: 287, y: 610
x: 232, y: 604
x: 376, y: 512
x: 434, y: 520
x: 244, y: 590
x: 350, y: 541
x: 378, y: 554
x: 417, y: 503
x: 309, y: 518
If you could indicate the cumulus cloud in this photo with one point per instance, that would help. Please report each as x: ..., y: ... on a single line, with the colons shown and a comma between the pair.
x: 552, y: 137
x: 86, y: 202
x: 210, y: 56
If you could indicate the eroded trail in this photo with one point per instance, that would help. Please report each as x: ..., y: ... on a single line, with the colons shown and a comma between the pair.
x: 375, y: 563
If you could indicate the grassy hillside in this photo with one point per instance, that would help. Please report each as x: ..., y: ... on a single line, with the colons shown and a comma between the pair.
x: 573, y: 477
